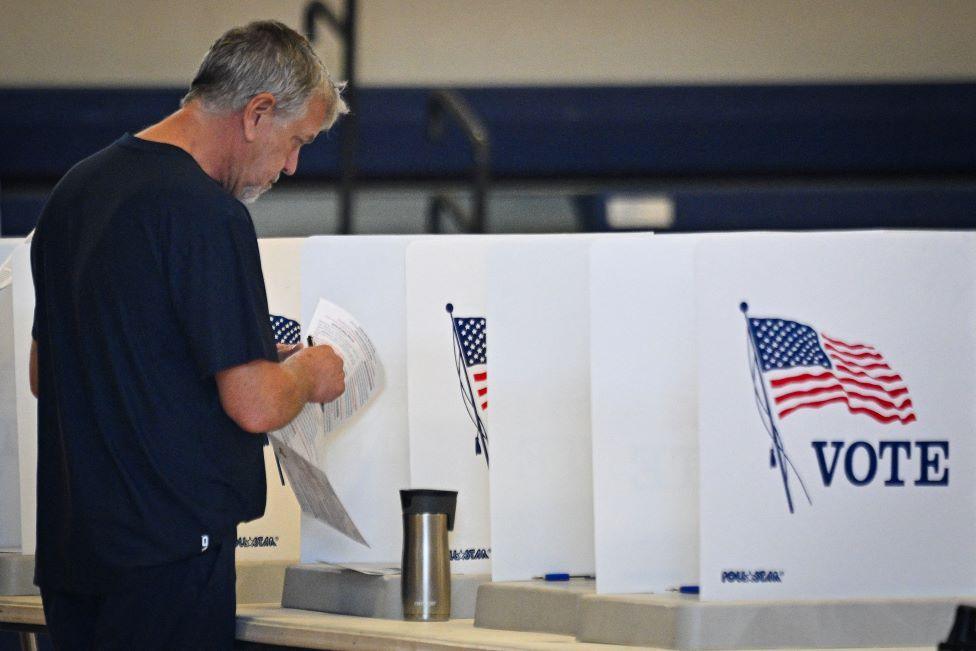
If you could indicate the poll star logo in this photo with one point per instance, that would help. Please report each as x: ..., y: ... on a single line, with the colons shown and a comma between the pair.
x: 793, y: 367
x: 470, y: 345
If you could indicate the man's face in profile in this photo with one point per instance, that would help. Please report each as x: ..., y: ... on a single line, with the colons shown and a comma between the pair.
x: 277, y: 148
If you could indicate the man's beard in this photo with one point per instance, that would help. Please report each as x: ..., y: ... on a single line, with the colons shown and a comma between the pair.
x: 250, y: 193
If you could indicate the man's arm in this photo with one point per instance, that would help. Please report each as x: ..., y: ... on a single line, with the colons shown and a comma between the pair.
x: 33, y: 367
x: 262, y: 396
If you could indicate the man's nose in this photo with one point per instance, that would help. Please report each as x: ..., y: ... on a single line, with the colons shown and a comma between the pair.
x: 291, y: 164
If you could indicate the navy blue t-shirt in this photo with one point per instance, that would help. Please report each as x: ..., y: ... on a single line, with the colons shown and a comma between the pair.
x: 148, y: 282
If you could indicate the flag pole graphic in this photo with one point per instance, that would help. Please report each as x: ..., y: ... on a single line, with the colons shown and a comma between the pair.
x: 777, y: 450
x: 467, y: 392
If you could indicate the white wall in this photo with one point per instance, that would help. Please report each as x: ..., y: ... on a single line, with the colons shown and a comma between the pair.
x: 429, y: 42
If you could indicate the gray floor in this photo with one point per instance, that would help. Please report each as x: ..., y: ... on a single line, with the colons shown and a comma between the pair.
x: 297, y: 212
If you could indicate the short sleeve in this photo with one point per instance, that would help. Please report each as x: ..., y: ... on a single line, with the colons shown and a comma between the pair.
x: 218, y: 292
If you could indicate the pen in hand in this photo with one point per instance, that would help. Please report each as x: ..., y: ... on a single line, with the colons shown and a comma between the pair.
x: 311, y: 344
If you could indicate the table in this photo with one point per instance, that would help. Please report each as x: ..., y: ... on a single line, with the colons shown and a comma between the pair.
x: 270, y: 624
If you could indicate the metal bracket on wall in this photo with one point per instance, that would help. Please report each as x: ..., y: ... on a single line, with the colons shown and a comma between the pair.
x: 345, y: 30
x: 448, y: 103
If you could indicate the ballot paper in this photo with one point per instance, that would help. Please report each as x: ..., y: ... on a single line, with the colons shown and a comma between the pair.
x: 300, y: 434
x: 295, y: 443
x: 314, y: 491
x: 369, y: 569
x: 334, y: 326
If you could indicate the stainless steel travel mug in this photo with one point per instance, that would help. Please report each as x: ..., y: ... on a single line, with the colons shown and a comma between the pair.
x: 426, y: 572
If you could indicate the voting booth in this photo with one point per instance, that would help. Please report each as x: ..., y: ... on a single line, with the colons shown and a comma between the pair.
x: 420, y: 302
x: 541, y: 484
x: 420, y: 429
x: 644, y: 401
x: 861, y: 376
x: 367, y: 458
x: 452, y: 437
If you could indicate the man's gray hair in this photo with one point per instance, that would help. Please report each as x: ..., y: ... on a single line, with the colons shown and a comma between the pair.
x: 264, y: 56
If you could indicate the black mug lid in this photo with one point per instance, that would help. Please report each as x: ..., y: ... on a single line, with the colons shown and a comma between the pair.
x: 426, y: 500
x: 962, y: 637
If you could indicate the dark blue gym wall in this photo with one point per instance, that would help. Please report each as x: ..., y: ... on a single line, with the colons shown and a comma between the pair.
x: 809, y: 156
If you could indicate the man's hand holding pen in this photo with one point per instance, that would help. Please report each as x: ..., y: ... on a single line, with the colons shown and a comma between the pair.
x: 325, y: 369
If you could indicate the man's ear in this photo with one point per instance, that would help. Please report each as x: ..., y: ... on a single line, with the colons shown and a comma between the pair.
x: 257, y: 115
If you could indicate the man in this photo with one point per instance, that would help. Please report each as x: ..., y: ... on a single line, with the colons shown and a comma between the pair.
x: 153, y: 359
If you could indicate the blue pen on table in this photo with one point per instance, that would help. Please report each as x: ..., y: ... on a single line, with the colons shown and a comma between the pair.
x: 562, y: 576
x: 685, y: 589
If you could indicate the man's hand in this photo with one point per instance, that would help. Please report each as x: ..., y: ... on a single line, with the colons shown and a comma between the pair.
x: 325, y: 368
x: 262, y: 396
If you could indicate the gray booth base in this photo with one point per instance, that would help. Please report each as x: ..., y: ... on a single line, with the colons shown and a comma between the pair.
x: 541, y: 606
x: 260, y: 582
x: 328, y: 589
x: 683, y: 622
x: 17, y: 575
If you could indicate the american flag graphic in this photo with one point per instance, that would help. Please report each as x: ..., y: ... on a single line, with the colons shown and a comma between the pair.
x: 806, y: 369
x: 471, y: 364
x: 286, y: 331
x: 471, y: 341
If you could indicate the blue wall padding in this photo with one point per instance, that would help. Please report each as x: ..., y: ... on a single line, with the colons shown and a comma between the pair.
x: 19, y: 212
x: 824, y: 208
x: 946, y: 205
x: 51, y: 129
x: 547, y: 132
